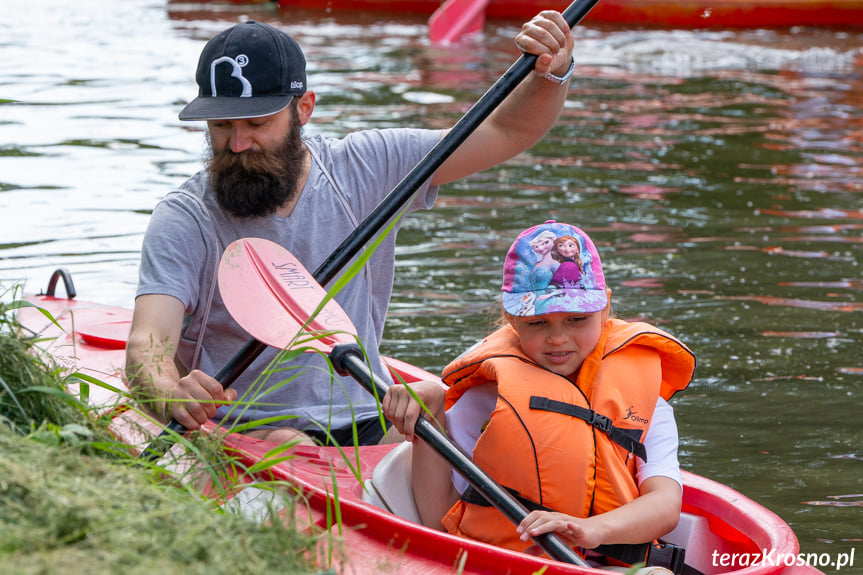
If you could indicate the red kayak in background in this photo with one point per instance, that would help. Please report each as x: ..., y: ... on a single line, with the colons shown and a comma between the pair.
x: 677, y: 14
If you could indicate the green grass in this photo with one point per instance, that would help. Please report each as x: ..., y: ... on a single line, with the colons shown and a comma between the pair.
x: 62, y: 511
x: 74, y: 501
x: 32, y: 394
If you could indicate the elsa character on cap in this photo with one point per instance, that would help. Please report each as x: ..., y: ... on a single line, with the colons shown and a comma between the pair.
x: 563, y: 407
x: 543, y: 270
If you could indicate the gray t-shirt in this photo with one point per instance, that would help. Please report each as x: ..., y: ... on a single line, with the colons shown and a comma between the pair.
x: 188, y: 233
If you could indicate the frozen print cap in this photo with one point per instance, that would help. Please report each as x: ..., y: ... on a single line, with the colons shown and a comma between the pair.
x: 553, y: 267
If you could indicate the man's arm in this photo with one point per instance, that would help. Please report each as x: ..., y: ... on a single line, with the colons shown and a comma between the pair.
x: 528, y: 112
x: 152, y: 370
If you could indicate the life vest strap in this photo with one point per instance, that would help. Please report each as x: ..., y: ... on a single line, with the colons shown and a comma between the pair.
x: 620, y: 436
x: 655, y: 554
x: 471, y: 495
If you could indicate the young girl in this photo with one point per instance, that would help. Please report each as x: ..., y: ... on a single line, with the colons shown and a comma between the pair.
x: 564, y: 406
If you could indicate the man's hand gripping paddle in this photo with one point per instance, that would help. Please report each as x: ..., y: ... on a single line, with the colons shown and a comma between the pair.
x: 272, y: 296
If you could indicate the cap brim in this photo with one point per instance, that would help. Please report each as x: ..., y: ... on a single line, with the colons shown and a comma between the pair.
x: 554, y: 300
x: 233, y: 108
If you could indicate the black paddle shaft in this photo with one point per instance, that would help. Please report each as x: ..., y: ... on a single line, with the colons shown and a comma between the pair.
x: 426, y: 167
x: 385, y: 211
x: 348, y: 359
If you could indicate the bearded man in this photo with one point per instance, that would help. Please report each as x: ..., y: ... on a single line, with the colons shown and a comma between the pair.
x: 263, y: 179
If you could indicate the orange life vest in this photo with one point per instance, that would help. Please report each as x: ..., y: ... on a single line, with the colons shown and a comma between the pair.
x: 568, y: 447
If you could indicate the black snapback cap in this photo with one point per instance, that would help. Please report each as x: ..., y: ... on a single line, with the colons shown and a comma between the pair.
x: 248, y: 71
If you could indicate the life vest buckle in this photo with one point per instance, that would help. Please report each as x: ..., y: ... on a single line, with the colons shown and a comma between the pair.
x: 601, y: 422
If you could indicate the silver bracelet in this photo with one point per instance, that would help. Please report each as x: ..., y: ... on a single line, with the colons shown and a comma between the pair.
x: 560, y: 79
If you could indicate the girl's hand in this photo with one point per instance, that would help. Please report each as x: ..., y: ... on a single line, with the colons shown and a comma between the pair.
x: 402, y: 408
x: 574, y: 531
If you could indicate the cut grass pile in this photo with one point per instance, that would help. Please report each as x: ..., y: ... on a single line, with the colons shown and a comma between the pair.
x: 62, y: 511
x: 73, y: 501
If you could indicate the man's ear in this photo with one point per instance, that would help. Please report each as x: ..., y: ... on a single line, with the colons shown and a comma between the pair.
x: 305, y: 106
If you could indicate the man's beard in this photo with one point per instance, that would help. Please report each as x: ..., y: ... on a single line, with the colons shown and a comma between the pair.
x: 257, y: 183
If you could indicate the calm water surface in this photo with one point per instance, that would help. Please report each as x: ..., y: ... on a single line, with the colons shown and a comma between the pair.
x: 720, y: 174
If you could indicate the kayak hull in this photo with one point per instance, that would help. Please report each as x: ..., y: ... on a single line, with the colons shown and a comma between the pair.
x: 355, y: 533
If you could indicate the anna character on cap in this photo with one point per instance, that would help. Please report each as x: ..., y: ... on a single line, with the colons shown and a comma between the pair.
x: 563, y: 405
x: 566, y: 252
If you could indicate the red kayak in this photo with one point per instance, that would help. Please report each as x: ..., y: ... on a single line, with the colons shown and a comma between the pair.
x: 365, y: 518
x: 678, y: 14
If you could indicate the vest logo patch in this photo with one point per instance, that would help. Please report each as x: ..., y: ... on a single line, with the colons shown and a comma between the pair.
x: 632, y: 415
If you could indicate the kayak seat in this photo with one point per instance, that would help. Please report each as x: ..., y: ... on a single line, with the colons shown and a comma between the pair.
x: 694, y: 534
x: 389, y: 487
